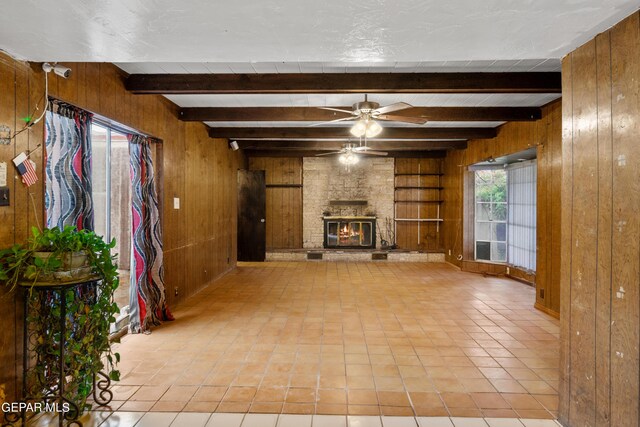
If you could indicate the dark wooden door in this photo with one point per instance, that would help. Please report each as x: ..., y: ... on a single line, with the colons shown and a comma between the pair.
x: 251, y: 215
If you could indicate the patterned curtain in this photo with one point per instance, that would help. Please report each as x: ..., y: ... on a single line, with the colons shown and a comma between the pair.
x: 147, y: 302
x: 68, y: 197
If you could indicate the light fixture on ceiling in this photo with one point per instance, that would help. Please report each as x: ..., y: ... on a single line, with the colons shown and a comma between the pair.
x: 366, y: 127
x: 349, y: 158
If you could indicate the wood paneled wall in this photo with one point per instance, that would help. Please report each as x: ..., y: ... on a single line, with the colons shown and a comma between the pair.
x: 20, y: 91
x: 284, y: 200
x: 600, y: 246
x: 545, y: 134
x: 199, y: 238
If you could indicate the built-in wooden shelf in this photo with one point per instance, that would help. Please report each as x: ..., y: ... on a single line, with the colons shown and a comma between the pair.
x: 420, y: 219
x: 418, y: 187
x: 418, y: 197
x: 419, y: 174
x: 347, y: 202
x: 418, y: 201
x: 283, y: 185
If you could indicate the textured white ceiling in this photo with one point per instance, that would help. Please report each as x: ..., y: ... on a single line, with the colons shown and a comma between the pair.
x: 228, y: 31
x: 303, y: 36
x: 505, y: 65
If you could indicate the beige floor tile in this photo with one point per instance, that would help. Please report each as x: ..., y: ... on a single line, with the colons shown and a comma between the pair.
x: 490, y: 401
x: 168, y: 406
x: 363, y: 409
x: 233, y: 407
x: 157, y: 419
x: 360, y: 382
x: 123, y: 419
x: 194, y: 406
x: 301, y: 395
x: 458, y: 400
x: 270, y: 394
x: 266, y: 407
x: 209, y: 394
x: 191, y: 419
x: 149, y: 393
x: 137, y: 405
x: 239, y: 394
x: 400, y: 411
x: 507, y: 386
x: 390, y: 334
x: 298, y: 408
x: 179, y: 393
x: 538, y: 387
x: 331, y: 396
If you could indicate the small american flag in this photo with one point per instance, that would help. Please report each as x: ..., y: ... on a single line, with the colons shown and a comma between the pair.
x: 26, y: 168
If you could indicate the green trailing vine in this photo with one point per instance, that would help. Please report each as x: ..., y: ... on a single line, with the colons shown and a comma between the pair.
x: 90, y: 311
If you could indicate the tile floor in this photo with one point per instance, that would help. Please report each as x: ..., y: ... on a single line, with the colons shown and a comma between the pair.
x: 199, y: 419
x: 358, y: 339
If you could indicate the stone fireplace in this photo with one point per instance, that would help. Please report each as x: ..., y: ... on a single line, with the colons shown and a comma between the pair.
x: 350, y: 232
x: 330, y: 191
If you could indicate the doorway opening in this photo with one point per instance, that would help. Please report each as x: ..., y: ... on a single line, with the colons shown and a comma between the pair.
x: 112, y: 199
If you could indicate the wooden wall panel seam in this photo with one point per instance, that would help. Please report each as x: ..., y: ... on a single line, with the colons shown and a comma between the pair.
x: 625, y: 72
x: 603, y: 344
x: 566, y: 220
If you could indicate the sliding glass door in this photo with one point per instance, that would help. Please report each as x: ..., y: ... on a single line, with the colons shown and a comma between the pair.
x: 112, y: 198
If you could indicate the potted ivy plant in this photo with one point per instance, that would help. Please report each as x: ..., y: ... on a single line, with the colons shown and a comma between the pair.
x: 55, y: 256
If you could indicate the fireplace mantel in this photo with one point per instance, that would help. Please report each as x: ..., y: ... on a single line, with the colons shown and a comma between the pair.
x: 348, y: 217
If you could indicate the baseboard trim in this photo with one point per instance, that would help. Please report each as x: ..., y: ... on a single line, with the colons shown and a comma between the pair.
x: 546, y: 310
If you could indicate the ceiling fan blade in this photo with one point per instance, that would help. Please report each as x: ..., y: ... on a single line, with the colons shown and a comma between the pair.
x: 338, y: 109
x: 345, y: 119
x: 405, y: 119
x: 361, y: 149
x: 329, y: 154
x: 374, y: 153
x: 391, y: 108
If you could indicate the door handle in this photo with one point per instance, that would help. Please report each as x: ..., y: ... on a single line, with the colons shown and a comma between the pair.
x: 261, y: 219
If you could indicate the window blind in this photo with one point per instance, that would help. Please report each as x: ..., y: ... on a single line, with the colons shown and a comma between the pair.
x: 521, y: 201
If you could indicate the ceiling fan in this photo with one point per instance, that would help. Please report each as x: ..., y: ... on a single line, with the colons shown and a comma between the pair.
x: 367, y: 112
x: 349, y: 153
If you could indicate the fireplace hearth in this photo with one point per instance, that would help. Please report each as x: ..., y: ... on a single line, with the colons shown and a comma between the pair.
x: 350, y: 232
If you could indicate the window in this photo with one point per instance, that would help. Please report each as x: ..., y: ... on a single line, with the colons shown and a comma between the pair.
x: 521, y: 179
x: 505, y: 213
x: 491, y: 215
x: 112, y: 198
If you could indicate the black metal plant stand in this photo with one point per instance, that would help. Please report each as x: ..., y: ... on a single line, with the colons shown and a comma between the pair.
x: 54, y: 386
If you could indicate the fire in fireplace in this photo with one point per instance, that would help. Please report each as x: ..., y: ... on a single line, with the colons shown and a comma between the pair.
x: 352, y: 232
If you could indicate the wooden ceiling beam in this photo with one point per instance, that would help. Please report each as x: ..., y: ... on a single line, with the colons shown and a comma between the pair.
x: 277, y: 133
x: 528, y: 82
x: 385, y: 145
x: 295, y: 153
x: 315, y: 114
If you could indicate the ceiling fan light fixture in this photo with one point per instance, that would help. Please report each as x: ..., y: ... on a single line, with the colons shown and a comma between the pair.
x: 349, y: 158
x: 359, y: 128
x: 366, y: 127
x: 373, y: 129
